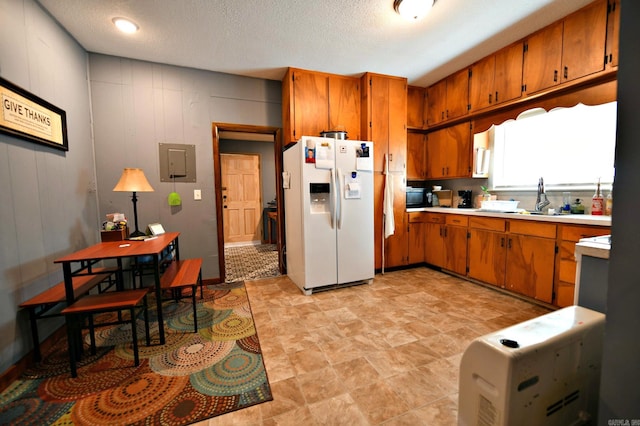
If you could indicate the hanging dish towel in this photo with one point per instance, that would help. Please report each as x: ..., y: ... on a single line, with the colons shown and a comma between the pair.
x: 389, y: 223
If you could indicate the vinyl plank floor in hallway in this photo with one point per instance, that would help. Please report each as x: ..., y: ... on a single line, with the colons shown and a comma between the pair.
x: 383, y: 353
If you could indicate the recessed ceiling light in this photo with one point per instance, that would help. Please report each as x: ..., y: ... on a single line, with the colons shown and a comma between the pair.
x: 125, y: 25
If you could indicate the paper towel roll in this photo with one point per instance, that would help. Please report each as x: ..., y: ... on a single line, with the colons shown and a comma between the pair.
x: 479, y: 160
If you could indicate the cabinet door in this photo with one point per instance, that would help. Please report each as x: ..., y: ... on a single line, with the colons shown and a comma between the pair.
x: 457, y: 94
x: 458, y: 150
x: 583, y: 41
x: 613, y: 33
x: 507, y: 83
x: 455, y: 249
x: 379, y: 119
x: 481, y: 83
x: 416, y: 156
x: 397, y: 124
x: 311, y: 103
x: 436, y: 155
x: 487, y: 256
x: 416, y: 99
x: 434, y: 246
x: 436, y: 103
x: 530, y: 263
x: 344, y: 105
x: 543, y: 58
x: 417, y: 235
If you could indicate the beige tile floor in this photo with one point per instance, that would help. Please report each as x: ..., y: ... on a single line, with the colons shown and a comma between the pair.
x: 382, y: 353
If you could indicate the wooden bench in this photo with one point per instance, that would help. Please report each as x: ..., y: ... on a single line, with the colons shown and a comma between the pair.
x: 180, y: 274
x: 39, y: 305
x: 114, y: 301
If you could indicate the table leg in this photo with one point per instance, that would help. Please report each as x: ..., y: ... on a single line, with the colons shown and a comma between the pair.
x: 156, y: 275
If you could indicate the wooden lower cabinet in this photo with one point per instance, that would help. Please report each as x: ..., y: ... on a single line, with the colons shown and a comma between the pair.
x: 417, y: 237
x: 530, y: 263
x: 446, y: 242
x: 455, y: 244
x: 434, y: 239
x: 568, y: 236
x: 488, y: 250
x: 515, y: 255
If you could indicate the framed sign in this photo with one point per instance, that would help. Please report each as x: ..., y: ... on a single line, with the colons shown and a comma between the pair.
x: 29, y: 117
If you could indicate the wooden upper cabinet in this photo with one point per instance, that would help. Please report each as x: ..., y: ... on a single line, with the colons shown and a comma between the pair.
x: 384, y: 118
x: 583, y: 41
x: 416, y: 111
x: 449, y: 98
x: 314, y: 102
x: 416, y: 156
x: 344, y: 105
x: 436, y: 103
x: 448, y: 152
x: 613, y: 33
x: 496, y: 78
x: 543, y: 59
x: 566, y: 50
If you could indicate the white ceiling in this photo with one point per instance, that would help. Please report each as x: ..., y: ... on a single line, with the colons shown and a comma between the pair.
x: 261, y: 38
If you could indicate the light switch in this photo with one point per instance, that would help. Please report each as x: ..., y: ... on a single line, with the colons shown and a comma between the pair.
x: 197, y: 194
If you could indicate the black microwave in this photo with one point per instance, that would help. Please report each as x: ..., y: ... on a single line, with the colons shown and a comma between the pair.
x: 416, y: 197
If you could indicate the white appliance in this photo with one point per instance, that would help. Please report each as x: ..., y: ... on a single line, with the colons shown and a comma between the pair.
x: 328, y: 201
x: 545, y: 371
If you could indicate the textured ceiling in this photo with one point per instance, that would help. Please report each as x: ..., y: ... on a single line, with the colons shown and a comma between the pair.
x: 261, y: 38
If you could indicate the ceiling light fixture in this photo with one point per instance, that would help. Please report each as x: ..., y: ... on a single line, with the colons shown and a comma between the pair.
x: 125, y: 25
x: 413, y: 10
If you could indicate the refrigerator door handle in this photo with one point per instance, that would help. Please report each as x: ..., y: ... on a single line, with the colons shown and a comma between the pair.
x: 339, y: 198
x: 332, y: 202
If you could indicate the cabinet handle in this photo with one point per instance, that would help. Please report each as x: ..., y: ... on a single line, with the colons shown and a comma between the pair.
x: 489, y: 97
x: 445, y: 232
x: 555, y: 76
x: 441, y: 231
x: 502, y: 242
x: 390, y: 157
x: 497, y: 96
x: 443, y: 171
x: 566, y: 72
x: 509, y: 245
x: 443, y: 115
x: 447, y: 113
x: 447, y: 168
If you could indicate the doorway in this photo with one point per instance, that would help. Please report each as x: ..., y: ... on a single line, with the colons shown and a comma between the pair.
x: 222, y: 133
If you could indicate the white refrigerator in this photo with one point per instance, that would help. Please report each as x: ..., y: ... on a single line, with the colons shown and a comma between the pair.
x: 328, y: 202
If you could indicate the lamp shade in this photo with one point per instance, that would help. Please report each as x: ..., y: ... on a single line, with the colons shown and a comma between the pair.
x: 133, y: 180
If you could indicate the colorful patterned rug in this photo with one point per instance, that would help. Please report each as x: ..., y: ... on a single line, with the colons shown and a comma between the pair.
x: 193, y: 377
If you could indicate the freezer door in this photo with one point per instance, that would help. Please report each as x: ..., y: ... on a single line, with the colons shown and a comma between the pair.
x: 355, y: 246
x: 318, y: 206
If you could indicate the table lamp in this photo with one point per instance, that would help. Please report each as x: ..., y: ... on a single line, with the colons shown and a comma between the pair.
x: 133, y: 180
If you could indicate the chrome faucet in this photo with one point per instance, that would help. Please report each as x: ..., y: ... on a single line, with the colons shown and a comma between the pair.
x: 541, y: 199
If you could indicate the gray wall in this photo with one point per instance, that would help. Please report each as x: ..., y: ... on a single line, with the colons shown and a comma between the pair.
x: 48, y: 203
x: 138, y: 105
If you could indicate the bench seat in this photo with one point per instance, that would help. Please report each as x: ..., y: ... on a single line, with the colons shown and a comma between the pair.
x: 115, y: 301
x: 180, y: 274
x: 39, y: 305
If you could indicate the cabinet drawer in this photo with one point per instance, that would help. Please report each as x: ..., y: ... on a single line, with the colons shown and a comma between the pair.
x: 435, y: 218
x: 417, y: 217
x: 575, y: 233
x: 457, y: 220
x: 488, y: 223
x: 525, y: 227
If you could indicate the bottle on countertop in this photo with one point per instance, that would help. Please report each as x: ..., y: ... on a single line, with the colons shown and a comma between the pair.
x: 597, y: 202
x: 577, y: 207
x: 608, y: 204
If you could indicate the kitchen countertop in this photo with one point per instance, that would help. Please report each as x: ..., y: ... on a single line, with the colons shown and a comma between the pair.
x: 574, y: 219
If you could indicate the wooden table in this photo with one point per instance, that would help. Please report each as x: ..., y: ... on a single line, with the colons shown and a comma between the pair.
x: 119, y: 250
